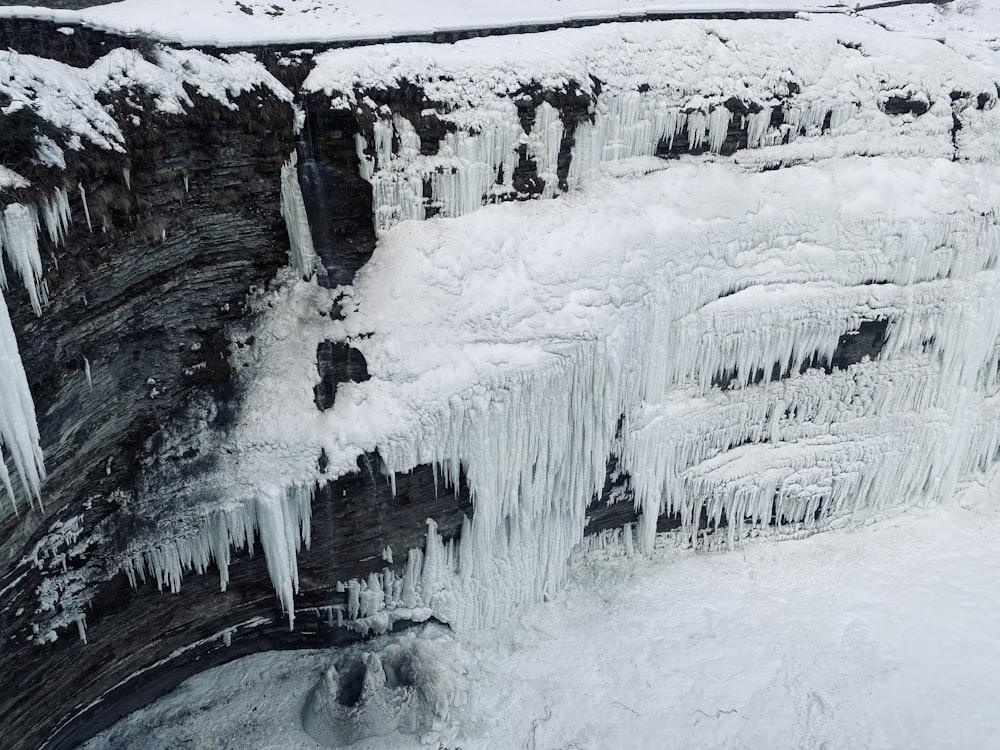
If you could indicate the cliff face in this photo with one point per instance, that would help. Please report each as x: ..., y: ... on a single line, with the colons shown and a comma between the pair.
x: 186, y: 381
x: 172, y: 235
x: 183, y: 224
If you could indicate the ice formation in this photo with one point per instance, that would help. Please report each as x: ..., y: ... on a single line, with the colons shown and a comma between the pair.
x: 543, y: 338
x: 293, y: 211
x: 281, y: 521
x: 687, y: 321
x: 19, y: 227
x: 408, y: 687
x: 702, y: 83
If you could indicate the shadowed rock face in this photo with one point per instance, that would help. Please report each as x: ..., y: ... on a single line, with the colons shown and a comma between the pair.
x: 143, y: 304
x: 186, y: 228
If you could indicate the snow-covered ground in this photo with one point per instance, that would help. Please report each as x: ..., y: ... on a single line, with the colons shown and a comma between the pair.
x: 255, y: 21
x: 884, y: 637
x: 238, y: 22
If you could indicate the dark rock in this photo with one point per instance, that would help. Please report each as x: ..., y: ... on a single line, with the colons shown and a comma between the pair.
x: 853, y: 347
x: 338, y: 201
x: 526, y: 182
x: 338, y: 363
x: 901, y: 105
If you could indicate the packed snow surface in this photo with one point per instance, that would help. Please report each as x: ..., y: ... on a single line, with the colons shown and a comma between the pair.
x: 882, y: 638
x: 207, y: 22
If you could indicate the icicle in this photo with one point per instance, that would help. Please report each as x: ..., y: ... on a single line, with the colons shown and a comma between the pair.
x: 57, y: 218
x: 283, y: 523
x: 718, y: 128
x: 86, y: 210
x: 18, y: 427
x: 757, y: 125
x: 19, y: 241
x: 81, y: 626
x: 127, y: 176
x: 86, y: 372
x: 293, y: 210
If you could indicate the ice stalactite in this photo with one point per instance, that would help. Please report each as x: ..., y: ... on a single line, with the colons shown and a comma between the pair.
x: 477, y: 165
x: 293, y: 210
x: 86, y: 208
x: 543, y: 146
x: 19, y: 241
x: 280, y: 520
x: 397, y: 185
x: 18, y: 429
x: 19, y: 227
x: 474, y: 167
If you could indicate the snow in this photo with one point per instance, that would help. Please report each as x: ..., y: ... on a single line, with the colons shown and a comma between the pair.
x: 229, y: 22
x: 884, y: 637
x: 11, y: 179
x: 67, y: 97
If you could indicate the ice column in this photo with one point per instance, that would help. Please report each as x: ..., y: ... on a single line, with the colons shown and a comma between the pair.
x: 293, y: 211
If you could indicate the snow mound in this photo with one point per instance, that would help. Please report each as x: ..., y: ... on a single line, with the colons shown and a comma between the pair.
x: 410, y: 687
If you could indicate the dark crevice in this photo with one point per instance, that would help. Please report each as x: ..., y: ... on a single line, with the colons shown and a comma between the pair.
x: 852, y: 348
x: 338, y: 363
x: 615, y: 506
x: 906, y: 105
x: 337, y: 199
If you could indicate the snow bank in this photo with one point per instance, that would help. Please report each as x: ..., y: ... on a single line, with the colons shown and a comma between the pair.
x: 234, y: 22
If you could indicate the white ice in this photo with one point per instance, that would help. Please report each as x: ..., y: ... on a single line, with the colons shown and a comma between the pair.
x: 842, y: 69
